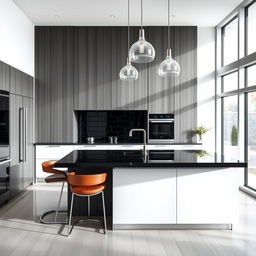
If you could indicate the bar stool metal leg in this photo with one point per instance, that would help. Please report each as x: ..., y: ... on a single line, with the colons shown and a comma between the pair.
x: 89, y: 207
x: 70, y: 214
x: 58, y: 208
x: 104, y: 212
x: 54, y: 211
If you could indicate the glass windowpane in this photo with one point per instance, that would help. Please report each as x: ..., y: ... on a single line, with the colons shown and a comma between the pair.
x: 230, y: 128
x: 251, y: 28
x: 230, y: 42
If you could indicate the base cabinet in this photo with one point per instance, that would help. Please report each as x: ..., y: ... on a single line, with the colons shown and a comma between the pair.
x: 207, y: 196
x: 144, y: 196
x: 198, y: 196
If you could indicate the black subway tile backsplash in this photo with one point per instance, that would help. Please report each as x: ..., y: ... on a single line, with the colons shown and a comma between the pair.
x: 102, y: 124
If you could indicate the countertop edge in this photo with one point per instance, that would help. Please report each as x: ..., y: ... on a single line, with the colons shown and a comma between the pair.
x: 117, y: 144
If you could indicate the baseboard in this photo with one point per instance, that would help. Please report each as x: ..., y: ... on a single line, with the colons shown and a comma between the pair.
x: 172, y: 226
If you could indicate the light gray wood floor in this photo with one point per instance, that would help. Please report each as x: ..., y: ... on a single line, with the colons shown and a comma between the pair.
x: 21, y: 234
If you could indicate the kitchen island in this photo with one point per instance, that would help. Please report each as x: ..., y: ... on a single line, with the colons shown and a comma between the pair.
x: 142, y: 194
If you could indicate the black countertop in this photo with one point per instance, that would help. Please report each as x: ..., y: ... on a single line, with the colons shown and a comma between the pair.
x: 123, y: 158
x: 106, y: 143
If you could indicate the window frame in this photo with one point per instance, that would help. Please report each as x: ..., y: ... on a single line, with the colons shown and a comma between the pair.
x: 241, y: 66
x: 246, y: 26
x: 222, y: 38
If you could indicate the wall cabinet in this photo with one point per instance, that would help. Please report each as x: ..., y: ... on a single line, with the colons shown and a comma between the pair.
x: 21, y: 83
x: 4, y: 76
x: 21, y: 143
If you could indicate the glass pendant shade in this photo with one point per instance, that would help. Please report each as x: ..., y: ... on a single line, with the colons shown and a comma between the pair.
x: 142, y: 51
x: 169, y: 67
x: 128, y: 72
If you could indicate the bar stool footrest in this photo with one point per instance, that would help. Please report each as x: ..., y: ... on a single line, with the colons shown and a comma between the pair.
x: 52, y: 222
x: 80, y: 221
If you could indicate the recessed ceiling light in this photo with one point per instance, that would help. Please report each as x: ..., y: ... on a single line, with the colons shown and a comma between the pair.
x: 56, y: 16
x: 112, y: 16
x: 172, y: 16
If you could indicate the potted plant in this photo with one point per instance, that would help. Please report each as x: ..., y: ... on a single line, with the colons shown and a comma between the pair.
x: 201, y: 153
x: 200, y: 131
x: 234, y: 136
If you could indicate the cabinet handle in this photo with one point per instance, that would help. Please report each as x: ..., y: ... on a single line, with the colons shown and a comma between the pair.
x: 21, y: 148
x: 25, y: 135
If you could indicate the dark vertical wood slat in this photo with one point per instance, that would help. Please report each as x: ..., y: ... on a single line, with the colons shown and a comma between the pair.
x: 43, y: 85
x: 185, y: 89
x: 61, y: 85
x: 161, y: 90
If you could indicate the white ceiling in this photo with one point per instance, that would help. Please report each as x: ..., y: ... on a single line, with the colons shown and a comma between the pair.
x: 202, y: 13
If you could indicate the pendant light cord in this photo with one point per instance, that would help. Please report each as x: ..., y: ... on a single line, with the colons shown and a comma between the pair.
x: 141, y: 13
x: 169, y: 41
x: 128, y: 30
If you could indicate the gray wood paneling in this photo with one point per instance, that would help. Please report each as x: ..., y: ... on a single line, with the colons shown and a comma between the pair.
x: 4, y: 76
x: 54, y: 84
x: 62, y: 85
x: 78, y: 68
x: 99, y: 55
x: 21, y: 83
x: 186, y: 84
x: 175, y: 95
x: 161, y: 90
x: 43, y: 84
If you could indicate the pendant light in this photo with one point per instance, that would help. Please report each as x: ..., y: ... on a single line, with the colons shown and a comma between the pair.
x: 142, y: 51
x: 128, y: 72
x: 169, y: 67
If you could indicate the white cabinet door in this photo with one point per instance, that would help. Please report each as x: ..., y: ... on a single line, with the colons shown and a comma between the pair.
x: 207, y: 196
x: 49, y: 152
x: 144, y: 196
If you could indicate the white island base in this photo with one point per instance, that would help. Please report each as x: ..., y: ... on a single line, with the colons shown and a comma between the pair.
x: 175, y: 198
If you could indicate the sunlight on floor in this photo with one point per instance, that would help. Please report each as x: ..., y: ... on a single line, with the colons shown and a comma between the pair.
x: 22, y: 234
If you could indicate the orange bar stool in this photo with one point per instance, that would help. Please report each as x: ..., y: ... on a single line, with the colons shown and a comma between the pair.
x: 56, y: 176
x: 87, y: 186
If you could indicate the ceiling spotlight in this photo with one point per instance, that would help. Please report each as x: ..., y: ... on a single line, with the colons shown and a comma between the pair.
x: 56, y: 16
x: 112, y: 16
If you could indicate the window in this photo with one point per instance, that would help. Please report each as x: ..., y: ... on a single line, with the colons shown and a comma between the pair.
x: 230, y: 42
x: 251, y: 28
x: 235, y: 89
x: 251, y: 75
x: 230, y: 128
x: 230, y: 82
x: 251, y: 105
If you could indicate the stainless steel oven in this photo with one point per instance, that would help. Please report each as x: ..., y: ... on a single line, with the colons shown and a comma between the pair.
x: 161, y: 128
x: 161, y: 156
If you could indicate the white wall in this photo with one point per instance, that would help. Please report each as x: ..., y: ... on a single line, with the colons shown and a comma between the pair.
x: 16, y: 37
x: 206, y: 85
